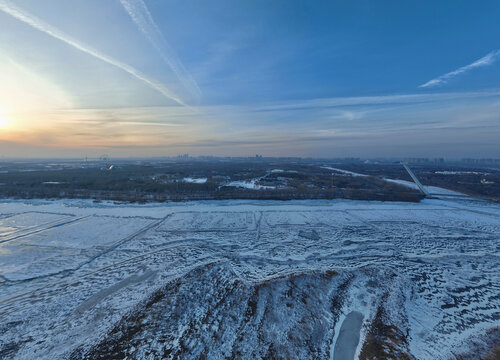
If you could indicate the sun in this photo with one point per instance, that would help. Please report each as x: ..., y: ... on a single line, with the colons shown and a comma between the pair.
x: 4, y: 122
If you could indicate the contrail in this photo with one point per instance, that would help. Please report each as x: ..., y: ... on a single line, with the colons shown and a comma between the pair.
x: 40, y: 25
x: 141, y: 16
x: 484, y: 61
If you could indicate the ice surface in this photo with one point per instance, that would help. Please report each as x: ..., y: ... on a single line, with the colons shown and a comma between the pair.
x: 247, y: 279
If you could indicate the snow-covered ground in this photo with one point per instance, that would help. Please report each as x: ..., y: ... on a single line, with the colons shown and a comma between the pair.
x: 343, y: 171
x: 247, y: 279
x: 252, y: 183
x: 249, y: 184
x: 433, y: 190
x: 195, y: 180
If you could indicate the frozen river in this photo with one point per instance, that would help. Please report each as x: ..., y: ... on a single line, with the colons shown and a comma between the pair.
x: 248, y: 279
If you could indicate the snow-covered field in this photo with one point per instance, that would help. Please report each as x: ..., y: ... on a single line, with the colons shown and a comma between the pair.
x: 248, y: 279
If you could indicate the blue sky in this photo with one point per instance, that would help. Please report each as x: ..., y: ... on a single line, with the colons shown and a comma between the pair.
x: 279, y: 78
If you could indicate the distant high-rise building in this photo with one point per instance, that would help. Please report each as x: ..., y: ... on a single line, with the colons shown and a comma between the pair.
x: 481, y: 161
x: 417, y: 160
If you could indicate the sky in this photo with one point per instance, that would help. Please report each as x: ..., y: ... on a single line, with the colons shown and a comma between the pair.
x: 340, y: 78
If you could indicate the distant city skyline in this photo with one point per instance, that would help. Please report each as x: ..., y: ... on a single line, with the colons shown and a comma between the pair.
x: 133, y: 78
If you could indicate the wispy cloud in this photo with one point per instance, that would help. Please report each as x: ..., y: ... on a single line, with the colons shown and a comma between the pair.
x: 356, y: 101
x: 141, y: 16
x: 40, y: 25
x: 484, y: 61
